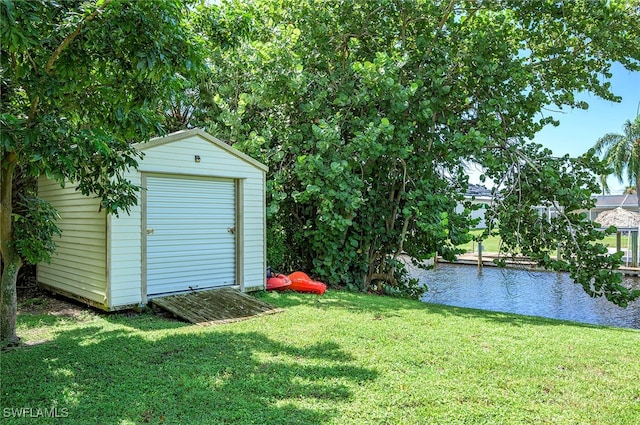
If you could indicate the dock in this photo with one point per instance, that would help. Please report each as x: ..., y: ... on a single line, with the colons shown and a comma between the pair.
x: 486, y: 260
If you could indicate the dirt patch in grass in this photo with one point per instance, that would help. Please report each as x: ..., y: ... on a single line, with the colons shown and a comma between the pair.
x: 35, y: 300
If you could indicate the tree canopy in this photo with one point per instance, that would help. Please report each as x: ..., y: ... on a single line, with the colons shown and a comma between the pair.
x: 80, y: 82
x: 368, y: 113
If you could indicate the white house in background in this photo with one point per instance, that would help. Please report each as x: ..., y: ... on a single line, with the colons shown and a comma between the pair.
x: 477, y: 194
x: 199, y: 224
x: 609, y: 202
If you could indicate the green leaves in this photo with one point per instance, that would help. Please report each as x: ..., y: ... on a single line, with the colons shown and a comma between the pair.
x: 368, y: 112
x: 81, y: 81
x: 35, y: 227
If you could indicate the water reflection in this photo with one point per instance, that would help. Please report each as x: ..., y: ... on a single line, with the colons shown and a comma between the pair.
x: 534, y: 293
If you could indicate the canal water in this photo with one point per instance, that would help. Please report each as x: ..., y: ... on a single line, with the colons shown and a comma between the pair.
x: 534, y: 293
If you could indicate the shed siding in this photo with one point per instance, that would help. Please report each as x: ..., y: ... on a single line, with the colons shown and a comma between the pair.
x: 254, y: 233
x: 125, y: 253
x: 79, y: 265
x: 178, y: 158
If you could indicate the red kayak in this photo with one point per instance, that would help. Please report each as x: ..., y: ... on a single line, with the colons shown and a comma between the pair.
x: 302, y: 283
x: 280, y: 282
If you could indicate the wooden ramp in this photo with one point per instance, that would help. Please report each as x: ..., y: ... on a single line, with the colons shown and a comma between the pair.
x: 214, y: 306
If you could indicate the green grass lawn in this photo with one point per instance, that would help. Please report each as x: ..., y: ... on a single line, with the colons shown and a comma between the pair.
x: 342, y: 358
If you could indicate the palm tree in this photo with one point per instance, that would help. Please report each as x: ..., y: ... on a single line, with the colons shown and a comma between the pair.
x: 622, y: 152
x: 604, y: 185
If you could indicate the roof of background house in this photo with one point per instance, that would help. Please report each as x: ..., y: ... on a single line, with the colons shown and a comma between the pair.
x: 602, y: 201
x: 478, y: 190
x: 612, y: 201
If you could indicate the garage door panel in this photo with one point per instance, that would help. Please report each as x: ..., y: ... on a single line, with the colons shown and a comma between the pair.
x: 199, y: 272
x: 196, y: 277
x: 189, y: 244
x: 164, y: 259
x: 194, y: 229
x: 178, y: 239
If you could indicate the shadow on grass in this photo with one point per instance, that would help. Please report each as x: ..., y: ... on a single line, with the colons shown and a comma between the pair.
x: 115, y: 376
x: 146, y: 319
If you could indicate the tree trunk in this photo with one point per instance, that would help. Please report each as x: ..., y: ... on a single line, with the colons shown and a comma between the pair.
x: 9, y: 307
x: 11, y: 261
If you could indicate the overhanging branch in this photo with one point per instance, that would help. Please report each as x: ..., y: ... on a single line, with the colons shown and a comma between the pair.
x: 68, y: 39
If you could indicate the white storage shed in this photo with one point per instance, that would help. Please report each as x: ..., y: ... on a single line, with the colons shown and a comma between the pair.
x: 199, y: 224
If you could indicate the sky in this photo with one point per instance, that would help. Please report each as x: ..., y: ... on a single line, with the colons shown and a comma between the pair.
x: 580, y: 129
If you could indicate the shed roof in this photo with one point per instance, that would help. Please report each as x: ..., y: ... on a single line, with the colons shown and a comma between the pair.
x: 184, y: 134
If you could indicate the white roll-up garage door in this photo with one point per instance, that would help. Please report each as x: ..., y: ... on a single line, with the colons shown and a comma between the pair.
x: 190, y: 242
